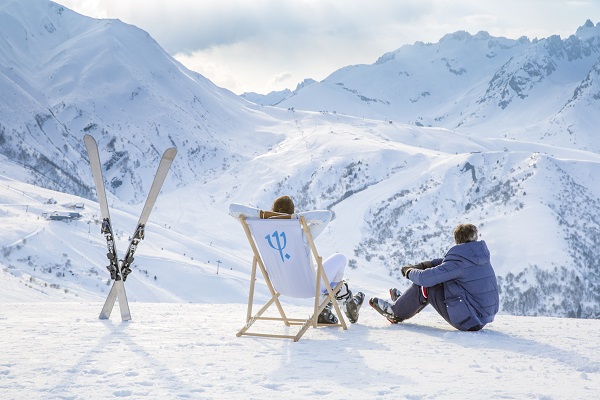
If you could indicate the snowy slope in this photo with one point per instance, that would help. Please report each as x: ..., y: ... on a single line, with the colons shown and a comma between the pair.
x: 397, y: 190
x: 396, y: 196
x: 49, y: 260
x: 190, y: 351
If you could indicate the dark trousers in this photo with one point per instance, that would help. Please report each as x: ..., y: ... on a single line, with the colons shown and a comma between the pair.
x: 412, y: 302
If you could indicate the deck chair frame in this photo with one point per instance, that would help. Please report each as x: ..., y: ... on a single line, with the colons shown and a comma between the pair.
x: 304, y: 323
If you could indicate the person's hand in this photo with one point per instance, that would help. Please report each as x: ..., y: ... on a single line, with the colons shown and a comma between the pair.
x: 406, y: 269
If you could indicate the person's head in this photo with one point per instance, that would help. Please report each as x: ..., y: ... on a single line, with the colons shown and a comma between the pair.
x: 283, y: 204
x: 465, y: 233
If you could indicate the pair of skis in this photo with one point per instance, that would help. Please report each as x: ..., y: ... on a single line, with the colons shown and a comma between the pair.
x: 120, y: 269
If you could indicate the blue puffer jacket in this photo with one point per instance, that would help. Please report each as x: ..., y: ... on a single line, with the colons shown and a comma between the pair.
x: 470, y: 287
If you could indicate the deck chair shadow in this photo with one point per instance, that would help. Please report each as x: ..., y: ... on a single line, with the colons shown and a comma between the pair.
x: 285, y: 254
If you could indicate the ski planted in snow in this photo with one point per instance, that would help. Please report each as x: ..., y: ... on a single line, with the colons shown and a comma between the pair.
x: 107, y: 231
x: 118, y: 289
x: 159, y: 179
x: 119, y: 269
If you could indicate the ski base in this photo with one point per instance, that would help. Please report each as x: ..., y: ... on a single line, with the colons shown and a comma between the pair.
x: 117, y: 291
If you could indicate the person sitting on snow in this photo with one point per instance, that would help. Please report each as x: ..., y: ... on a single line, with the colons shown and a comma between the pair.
x: 462, y: 286
x: 316, y: 221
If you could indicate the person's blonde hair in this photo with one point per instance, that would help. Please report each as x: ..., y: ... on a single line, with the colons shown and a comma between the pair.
x: 465, y: 233
x: 283, y: 204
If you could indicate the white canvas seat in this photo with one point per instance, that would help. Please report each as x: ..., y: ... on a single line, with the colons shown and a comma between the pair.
x: 285, y: 253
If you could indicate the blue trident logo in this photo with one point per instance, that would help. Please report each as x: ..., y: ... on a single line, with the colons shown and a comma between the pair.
x: 278, y: 244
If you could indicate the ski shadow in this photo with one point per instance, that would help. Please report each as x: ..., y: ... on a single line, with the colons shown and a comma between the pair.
x: 122, y: 385
x: 343, y: 356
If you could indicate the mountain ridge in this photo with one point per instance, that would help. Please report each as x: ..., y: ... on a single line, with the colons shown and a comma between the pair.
x: 472, y: 83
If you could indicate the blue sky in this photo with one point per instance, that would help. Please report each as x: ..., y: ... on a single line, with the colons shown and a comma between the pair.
x: 265, y: 45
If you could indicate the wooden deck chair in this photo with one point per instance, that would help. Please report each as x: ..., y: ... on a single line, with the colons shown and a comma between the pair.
x: 291, y: 267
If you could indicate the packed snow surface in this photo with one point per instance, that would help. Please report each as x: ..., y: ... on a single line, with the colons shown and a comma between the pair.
x: 190, y: 351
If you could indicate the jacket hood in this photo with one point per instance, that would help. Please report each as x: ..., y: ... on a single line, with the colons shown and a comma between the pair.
x: 476, y: 252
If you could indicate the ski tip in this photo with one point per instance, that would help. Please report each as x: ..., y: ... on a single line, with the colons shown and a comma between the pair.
x: 170, y: 153
x: 90, y: 143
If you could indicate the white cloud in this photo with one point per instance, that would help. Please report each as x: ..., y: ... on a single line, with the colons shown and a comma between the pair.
x: 283, y: 77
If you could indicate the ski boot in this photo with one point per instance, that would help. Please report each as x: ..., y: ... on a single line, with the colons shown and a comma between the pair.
x: 395, y: 294
x: 353, y: 305
x: 384, y: 308
x: 326, y: 316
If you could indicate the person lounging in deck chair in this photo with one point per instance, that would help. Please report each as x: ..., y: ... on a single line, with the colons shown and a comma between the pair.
x: 283, y: 207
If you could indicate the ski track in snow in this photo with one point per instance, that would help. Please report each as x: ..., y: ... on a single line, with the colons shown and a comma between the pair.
x: 190, y: 351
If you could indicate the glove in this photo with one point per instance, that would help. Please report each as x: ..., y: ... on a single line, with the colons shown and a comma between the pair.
x: 406, y: 269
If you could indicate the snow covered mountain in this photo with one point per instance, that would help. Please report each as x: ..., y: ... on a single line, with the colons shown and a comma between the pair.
x: 545, y: 90
x: 63, y: 75
x: 397, y: 189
